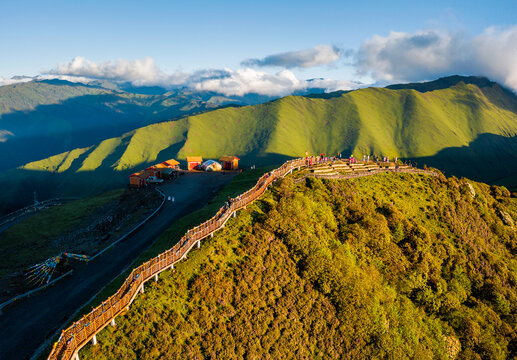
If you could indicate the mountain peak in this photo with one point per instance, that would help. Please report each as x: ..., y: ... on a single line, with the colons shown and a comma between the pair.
x: 444, y: 83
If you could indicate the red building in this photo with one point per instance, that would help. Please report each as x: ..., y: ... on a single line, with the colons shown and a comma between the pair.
x: 137, y: 179
x: 193, y: 162
x: 230, y: 162
x: 151, y: 171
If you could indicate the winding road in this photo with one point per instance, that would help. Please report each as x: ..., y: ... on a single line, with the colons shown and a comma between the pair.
x: 26, y: 325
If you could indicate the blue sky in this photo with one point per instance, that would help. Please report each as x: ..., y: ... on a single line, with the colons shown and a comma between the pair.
x: 185, y: 37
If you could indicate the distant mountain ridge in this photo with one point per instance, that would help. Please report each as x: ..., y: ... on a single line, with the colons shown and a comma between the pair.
x: 466, y: 129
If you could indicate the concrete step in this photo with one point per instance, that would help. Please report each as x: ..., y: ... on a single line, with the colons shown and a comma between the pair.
x: 323, y: 171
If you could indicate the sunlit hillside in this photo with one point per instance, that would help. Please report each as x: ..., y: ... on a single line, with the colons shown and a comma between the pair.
x: 387, y: 266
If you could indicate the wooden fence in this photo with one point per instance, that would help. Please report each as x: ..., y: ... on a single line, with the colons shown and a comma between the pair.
x: 76, y: 336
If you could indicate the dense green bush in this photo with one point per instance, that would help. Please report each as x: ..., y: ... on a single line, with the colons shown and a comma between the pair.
x: 388, y: 266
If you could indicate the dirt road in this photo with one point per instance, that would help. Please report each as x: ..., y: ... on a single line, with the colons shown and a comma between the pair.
x: 26, y: 325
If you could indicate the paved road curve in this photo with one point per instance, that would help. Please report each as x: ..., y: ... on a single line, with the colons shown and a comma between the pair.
x: 26, y: 325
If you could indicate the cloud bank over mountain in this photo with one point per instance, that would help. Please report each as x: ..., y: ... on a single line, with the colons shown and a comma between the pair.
x: 14, y: 80
x: 140, y: 71
x: 394, y: 58
x: 227, y: 81
x: 429, y: 54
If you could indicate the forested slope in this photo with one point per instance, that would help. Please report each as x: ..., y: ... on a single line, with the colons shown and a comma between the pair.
x: 387, y: 266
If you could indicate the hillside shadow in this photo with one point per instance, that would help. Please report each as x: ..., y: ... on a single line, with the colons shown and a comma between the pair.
x: 82, y: 121
x: 74, y: 123
x: 22, y: 183
x: 259, y: 158
x: 330, y: 95
x: 443, y: 83
x: 488, y: 158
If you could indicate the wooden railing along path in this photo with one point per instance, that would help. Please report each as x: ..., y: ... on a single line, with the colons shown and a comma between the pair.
x: 76, y: 336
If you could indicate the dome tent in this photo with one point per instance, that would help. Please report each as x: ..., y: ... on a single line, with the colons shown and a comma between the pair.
x: 211, y: 165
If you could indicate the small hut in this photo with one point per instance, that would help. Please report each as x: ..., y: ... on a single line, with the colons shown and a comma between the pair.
x: 230, y: 162
x: 211, y: 165
x: 193, y: 162
x: 137, y: 179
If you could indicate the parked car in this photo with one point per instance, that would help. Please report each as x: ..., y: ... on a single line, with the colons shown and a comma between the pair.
x: 154, y: 180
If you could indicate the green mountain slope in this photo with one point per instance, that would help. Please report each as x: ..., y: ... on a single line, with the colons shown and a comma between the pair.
x: 389, y: 266
x: 463, y: 129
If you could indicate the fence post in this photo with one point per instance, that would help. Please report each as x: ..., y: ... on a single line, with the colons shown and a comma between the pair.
x: 156, y: 277
x: 142, y: 288
x: 198, y: 244
x: 94, y: 340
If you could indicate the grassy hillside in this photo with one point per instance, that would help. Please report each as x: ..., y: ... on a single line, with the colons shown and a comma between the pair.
x: 463, y: 129
x: 389, y: 266
x: 34, y: 239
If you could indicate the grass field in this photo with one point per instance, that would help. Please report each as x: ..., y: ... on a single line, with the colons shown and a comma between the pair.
x: 31, y: 240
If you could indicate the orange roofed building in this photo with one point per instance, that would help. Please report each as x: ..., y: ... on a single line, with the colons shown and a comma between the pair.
x: 193, y: 162
x: 230, y: 162
x: 166, y: 168
x: 171, y: 164
x: 137, y: 179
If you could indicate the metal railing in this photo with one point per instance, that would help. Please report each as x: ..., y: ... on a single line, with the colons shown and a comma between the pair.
x: 76, y: 336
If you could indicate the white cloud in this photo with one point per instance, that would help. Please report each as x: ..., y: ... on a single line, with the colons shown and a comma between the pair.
x: 333, y: 85
x: 427, y: 55
x: 226, y: 81
x: 318, y: 55
x: 4, y: 135
x: 140, y: 71
x: 243, y: 81
x: 495, y: 52
x: 412, y: 57
x: 14, y: 80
